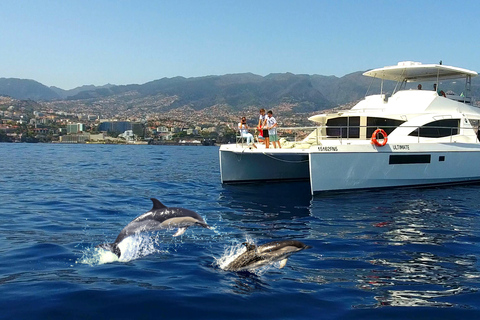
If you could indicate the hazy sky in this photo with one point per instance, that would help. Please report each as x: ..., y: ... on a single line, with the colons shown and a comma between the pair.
x: 68, y: 43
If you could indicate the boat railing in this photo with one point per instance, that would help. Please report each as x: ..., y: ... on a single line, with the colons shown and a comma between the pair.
x: 312, y: 135
x: 291, y: 134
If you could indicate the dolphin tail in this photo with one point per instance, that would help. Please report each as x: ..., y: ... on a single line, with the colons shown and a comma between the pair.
x: 111, y: 247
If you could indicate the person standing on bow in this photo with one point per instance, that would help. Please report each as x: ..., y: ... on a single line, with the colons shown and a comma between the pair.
x: 243, y: 128
x: 272, y: 130
x: 263, y: 132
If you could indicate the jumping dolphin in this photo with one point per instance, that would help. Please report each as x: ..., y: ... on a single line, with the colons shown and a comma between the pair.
x: 159, y: 217
x: 256, y: 257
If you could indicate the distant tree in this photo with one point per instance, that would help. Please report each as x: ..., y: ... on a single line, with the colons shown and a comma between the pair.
x: 113, y: 134
x: 4, y: 137
x: 181, y: 134
x: 213, y: 135
x: 29, y: 139
x: 228, y: 136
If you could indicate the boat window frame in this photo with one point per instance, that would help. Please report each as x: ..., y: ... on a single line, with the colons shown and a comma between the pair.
x: 388, y: 127
x: 440, y: 126
x: 349, y: 130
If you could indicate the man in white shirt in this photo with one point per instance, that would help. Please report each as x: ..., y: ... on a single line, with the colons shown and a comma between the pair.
x: 272, y: 129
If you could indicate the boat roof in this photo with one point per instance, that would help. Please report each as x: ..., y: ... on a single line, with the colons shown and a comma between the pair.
x: 415, y: 71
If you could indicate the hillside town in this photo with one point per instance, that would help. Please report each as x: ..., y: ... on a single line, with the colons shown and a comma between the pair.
x: 30, y: 121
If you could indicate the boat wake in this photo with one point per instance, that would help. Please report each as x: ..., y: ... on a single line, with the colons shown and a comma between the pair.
x: 132, y: 248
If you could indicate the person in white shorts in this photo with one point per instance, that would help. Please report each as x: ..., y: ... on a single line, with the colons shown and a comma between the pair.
x: 272, y: 129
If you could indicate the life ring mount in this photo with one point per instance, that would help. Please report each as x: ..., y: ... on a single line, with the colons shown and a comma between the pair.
x: 384, y: 139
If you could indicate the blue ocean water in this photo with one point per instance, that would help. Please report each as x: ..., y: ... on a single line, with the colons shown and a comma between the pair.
x: 394, y: 254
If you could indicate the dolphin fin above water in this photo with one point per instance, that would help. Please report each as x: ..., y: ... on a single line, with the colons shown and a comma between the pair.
x: 180, y: 231
x: 157, y: 205
x: 283, y: 263
x: 159, y: 217
x: 249, y: 246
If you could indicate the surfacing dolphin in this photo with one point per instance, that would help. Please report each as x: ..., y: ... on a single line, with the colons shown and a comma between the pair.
x: 159, y: 217
x: 256, y: 257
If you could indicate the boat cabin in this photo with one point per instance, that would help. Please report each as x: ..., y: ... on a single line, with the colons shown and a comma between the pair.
x: 412, y: 114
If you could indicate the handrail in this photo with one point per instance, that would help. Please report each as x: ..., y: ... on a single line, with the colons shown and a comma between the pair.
x: 453, y: 132
x: 307, y: 131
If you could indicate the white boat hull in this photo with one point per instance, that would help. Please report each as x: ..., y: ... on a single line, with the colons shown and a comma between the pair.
x: 244, y: 165
x: 378, y: 167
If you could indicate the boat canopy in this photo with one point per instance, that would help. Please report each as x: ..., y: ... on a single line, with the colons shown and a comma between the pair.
x: 410, y: 71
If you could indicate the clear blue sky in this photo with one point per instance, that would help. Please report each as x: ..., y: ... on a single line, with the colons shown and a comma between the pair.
x: 68, y: 43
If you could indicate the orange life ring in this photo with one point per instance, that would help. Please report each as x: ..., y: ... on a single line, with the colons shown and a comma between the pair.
x: 374, y: 138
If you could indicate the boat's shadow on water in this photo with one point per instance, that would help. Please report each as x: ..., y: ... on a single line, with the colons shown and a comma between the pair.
x: 287, y: 199
x: 266, y: 211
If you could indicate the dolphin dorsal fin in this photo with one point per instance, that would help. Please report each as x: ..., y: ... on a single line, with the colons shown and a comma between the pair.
x: 249, y: 246
x: 157, y: 204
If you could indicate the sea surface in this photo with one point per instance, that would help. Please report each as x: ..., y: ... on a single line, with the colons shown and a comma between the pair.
x: 391, y: 254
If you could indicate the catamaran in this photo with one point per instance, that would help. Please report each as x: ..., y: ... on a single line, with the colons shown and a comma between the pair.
x: 413, y: 137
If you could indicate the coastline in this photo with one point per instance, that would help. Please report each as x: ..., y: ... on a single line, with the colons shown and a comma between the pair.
x: 136, y: 143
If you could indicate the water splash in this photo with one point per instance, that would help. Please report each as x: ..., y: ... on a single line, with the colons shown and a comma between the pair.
x: 231, y: 252
x: 132, y: 248
x: 215, y: 230
x: 96, y: 256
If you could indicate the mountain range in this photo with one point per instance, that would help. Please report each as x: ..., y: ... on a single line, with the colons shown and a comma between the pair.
x: 308, y: 92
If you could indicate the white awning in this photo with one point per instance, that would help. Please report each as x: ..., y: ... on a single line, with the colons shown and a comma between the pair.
x: 414, y: 71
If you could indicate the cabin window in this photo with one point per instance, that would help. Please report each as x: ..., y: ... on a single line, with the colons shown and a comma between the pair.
x: 384, y: 123
x: 409, y: 159
x: 438, y: 129
x: 344, y: 127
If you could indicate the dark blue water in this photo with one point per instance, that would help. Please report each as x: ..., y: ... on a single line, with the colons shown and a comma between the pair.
x: 400, y: 254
